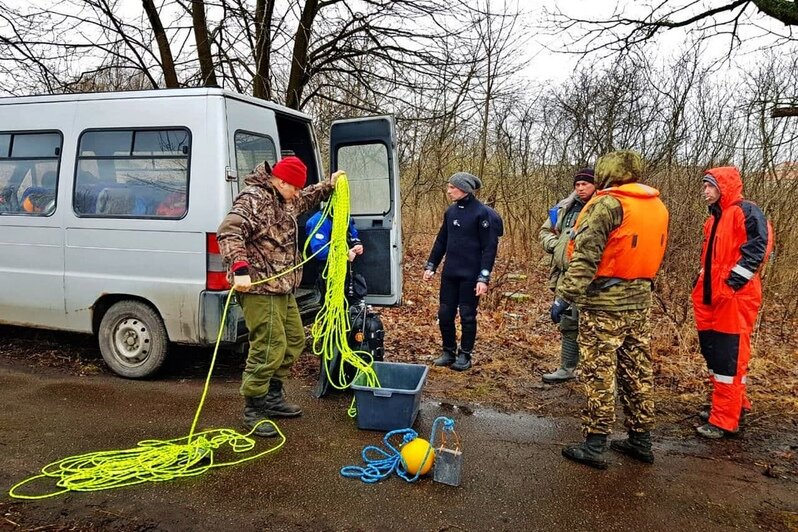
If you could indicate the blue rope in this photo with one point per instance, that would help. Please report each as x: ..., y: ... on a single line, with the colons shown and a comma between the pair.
x: 448, y: 426
x: 384, y: 462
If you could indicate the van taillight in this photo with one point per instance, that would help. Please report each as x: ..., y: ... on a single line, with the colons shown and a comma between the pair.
x: 215, y: 273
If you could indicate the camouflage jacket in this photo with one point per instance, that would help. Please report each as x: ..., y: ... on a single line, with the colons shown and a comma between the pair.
x: 554, y: 237
x: 579, y: 285
x: 261, y: 230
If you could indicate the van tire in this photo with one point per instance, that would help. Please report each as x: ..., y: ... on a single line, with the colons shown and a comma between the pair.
x: 133, y: 339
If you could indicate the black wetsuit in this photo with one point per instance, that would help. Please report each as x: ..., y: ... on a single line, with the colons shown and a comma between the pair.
x: 469, y: 238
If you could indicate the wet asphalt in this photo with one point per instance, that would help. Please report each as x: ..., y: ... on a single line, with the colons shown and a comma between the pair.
x: 513, y: 475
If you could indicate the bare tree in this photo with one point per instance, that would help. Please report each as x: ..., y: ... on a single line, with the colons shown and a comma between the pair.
x: 623, y: 32
x: 287, y: 50
x: 167, y: 60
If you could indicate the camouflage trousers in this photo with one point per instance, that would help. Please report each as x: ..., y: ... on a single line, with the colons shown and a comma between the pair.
x: 616, y: 347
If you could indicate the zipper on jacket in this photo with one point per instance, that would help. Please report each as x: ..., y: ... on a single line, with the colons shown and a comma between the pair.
x: 708, y: 261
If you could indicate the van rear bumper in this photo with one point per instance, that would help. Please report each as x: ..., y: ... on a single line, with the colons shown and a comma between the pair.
x: 211, y: 308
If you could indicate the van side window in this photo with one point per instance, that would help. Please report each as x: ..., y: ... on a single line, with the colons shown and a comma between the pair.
x: 29, y: 164
x: 133, y: 173
x: 251, y: 150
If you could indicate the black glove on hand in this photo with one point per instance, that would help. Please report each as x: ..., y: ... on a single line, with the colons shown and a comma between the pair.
x: 736, y: 281
x: 558, y: 308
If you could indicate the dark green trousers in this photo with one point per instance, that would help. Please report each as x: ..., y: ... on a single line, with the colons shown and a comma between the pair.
x: 276, y: 339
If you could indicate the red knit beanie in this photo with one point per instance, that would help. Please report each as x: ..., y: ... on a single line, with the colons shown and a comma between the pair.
x: 291, y: 170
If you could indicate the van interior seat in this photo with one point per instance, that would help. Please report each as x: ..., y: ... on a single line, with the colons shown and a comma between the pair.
x: 37, y: 199
x: 86, y: 198
x: 115, y: 200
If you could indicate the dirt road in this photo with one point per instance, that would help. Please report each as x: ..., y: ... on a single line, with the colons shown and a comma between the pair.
x: 514, y: 477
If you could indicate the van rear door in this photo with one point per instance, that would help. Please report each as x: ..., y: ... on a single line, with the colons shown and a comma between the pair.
x: 365, y: 149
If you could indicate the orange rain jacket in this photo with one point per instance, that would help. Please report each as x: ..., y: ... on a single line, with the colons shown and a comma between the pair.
x: 728, y: 293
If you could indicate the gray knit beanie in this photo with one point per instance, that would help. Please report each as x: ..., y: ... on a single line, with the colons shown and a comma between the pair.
x: 466, y: 182
x: 709, y: 178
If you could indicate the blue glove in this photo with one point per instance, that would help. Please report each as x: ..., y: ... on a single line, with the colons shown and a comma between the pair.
x: 558, y: 308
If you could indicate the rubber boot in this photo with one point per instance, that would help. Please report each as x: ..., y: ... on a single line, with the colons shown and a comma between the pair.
x: 637, y: 445
x: 276, y: 405
x: 463, y: 361
x: 254, y: 413
x: 447, y: 358
x: 704, y: 414
x: 569, y: 358
x: 593, y: 452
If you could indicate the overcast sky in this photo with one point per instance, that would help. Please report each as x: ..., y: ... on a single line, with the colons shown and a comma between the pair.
x: 548, y: 59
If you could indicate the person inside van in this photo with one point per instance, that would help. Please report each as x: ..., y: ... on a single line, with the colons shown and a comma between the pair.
x: 258, y: 240
x: 319, y: 243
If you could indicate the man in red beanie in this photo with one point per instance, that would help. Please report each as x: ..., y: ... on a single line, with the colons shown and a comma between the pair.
x: 258, y: 239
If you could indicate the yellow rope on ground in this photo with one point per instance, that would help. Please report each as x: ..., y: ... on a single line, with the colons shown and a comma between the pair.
x: 332, y: 324
x: 192, y: 455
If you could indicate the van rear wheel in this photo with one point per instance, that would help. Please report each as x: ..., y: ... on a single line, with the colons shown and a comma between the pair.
x: 133, y: 339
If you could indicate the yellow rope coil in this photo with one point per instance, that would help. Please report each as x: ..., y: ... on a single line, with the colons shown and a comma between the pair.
x: 162, y: 460
x: 332, y: 325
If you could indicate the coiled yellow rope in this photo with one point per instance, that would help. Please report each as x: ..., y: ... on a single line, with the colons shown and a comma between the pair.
x: 332, y: 325
x: 192, y: 455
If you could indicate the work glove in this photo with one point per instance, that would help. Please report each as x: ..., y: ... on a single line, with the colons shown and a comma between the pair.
x: 558, y: 308
x: 242, y: 283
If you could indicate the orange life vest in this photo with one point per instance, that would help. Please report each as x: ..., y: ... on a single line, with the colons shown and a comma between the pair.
x: 635, y: 249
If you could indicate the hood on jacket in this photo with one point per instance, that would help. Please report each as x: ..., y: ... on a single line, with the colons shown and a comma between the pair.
x: 567, y: 201
x: 260, y: 175
x: 618, y: 168
x: 730, y: 185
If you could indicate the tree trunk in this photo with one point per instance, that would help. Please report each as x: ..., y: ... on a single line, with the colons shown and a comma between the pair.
x: 167, y: 61
x: 298, y: 77
x: 203, y: 45
x: 262, y: 87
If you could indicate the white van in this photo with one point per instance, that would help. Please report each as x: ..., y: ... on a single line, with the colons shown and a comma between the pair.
x: 109, y: 204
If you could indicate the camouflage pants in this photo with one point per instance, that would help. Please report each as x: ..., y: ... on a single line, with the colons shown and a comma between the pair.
x: 615, y: 345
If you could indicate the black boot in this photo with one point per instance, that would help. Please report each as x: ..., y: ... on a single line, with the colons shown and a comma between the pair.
x: 592, y: 452
x: 254, y: 413
x: 276, y: 405
x: 637, y: 445
x: 447, y: 358
x: 463, y: 361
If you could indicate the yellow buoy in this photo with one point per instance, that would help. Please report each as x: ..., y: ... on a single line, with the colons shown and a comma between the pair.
x: 418, y: 454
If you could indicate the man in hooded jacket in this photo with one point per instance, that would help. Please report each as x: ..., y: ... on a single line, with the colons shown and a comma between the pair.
x: 618, y: 246
x: 554, y: 235
x: 727, y: 295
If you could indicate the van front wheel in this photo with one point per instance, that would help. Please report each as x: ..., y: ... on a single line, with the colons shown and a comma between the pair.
x: 133, y: 339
